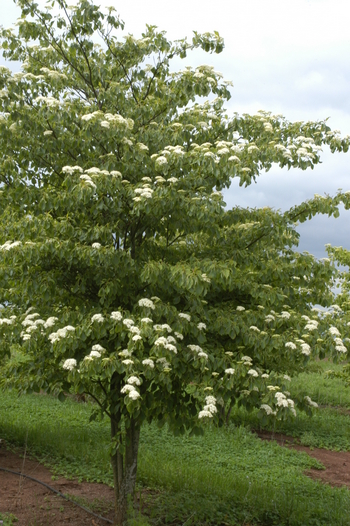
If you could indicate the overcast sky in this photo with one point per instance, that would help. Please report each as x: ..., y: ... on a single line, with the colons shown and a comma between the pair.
x: 284, y: 56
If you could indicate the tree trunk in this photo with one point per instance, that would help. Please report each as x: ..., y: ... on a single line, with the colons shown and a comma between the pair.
x: 124, y: 470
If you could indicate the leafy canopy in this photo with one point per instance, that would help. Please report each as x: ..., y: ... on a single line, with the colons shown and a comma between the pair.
x: 153, y: 297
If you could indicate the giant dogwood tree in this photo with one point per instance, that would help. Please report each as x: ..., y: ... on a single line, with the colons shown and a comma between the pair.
x: 122, y: 274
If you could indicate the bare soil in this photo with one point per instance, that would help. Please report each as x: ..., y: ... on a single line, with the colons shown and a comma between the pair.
x: 35, y: 505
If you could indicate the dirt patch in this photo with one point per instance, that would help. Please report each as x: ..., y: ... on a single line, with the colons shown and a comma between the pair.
x: 337, y: 463
x: 34, y: 504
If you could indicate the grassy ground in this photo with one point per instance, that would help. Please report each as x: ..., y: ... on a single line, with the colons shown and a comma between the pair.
x: 226, y: 477
x: 329, y: 427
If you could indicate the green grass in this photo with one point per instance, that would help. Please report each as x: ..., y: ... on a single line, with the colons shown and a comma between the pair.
x: 329, y: 427
x: 323, y: 390
x: 228, y: 476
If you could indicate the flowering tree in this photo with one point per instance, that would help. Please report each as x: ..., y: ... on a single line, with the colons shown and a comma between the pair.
x: 123, y: 276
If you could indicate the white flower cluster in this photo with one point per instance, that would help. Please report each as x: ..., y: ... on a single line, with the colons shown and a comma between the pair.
x: 98, y: 348
x: 129, y: 388
x: 167, y: 343
x: 94, y: 353
x: 161, y: 161
x: 69, y: 364
x: 311, y: 402
x: 336, y: 308
x: 334, y: 331
x: 268, y: 410
x: 305, y: 148
x: 97, y: 317
x: 162, y: 327
x: 148, y: 362
x: 253, y: 328
x: 50, y: 322
x: 116, y: 316
x: 52, y: 73
x: 145, y: 192
x: 31, y: 316
x: 71, y: 169
x: 145, y: 302
x: 109, y: 119
x: 8, y: 245
x: 285, y: 315
x: 61, y: 333
x: 198, y: 350
x: 339, y: 345
x: 311, y: 325
x: 253, y: 372
x: 305, y: 349
x: 230, y: 371
x: 205, y: 278
x: 209, y: 409
x: 49, y: 101
x: 290, y: 345
x: 269, y: 318
x: 247, y: 360
x: 7, y: 321
x: 283, y: 401
x: 31, y: 325
x: 146, y: 320
x: 127, y: 362
x: 87, y: 180
x: 184, y: 316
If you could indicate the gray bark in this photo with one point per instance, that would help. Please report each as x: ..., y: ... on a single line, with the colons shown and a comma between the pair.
x: 124, y: 470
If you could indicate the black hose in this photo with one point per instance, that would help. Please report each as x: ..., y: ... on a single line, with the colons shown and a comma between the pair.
x: 58, y: 493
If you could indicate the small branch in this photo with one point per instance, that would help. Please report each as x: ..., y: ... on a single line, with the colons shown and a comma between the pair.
x: 255, y: 240
x: 98, y: 403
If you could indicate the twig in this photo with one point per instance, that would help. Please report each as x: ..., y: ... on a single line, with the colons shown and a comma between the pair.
x: 24, y: 459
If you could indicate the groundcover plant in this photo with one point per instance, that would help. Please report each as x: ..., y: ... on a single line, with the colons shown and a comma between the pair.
x: 123, y: 275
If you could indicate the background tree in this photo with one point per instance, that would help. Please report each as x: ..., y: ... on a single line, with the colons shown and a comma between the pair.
x: 154, y: 299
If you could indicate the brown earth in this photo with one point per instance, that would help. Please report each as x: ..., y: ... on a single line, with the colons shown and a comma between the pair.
x: 35, y: 505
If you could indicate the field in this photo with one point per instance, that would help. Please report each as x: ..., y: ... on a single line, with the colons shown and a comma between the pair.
x: 230, y: 476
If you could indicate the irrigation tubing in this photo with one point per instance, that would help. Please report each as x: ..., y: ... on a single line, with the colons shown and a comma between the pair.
x: 58, y: 493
